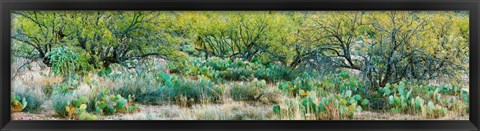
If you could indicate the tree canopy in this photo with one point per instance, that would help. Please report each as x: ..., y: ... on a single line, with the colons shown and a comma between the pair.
x: 386, y: 46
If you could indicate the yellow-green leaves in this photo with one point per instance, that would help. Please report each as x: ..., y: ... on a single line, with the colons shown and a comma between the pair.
x: 83, y: 107
x: 404, y: 40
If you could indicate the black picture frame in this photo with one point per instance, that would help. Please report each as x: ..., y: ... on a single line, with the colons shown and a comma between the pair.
x: 470, y: 5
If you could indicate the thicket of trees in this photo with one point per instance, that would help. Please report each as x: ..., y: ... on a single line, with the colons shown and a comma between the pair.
x: 386, y: 46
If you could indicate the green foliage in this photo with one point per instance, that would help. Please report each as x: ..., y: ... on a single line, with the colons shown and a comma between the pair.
x: 27, y: 99
x: 145, y: 89
x: 201, y: 90
x: 465, y: 96
x: 295, y: 39
x: 106, y: 72
x: 303, y: 83
x: 451, y: 90
x: 18, y: 104
x: 403, y: 99
x: 67, y: 86
x: 400, y: 100
x: 160, y: 88
x: 341, y: 81
x: 435, y: 111
x: 274, y: 73
x: 85, y: 63
x: 77, y: 109
x: 60, y: 101
x: 309, y: 105
x: 64, y: 61
x: 276, y: 109
x: 111, y: 104
x: 419, y: 102
x: 100, y: 38
x: 219, y: 70
x: 248, y: 91
x: 333, y: 63
x: 365, y: 102
x: 341, y: 105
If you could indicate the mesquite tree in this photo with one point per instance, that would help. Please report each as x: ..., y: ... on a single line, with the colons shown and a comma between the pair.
x: 385, y: 46
x: 101, y: 38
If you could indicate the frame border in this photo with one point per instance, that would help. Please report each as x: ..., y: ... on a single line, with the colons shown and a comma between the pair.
x: 470, y: 5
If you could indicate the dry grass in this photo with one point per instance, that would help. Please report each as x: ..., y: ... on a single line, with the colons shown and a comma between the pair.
x: 290, y: 108
x: 30, y: 74
x: 367, y: 115
x: 225, y: 109
x: 34, y: 78
x: 229, y: 111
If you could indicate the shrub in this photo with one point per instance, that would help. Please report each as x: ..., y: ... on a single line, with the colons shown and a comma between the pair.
x: 434, y: 111
x: 274, y: 73
x: 342, y: 80
x: 400, y: 100
x: 197, y: 90
x: 77, y: 109
x: 340, y: 106
x: 105, y: 73
x: 111, y: 104
x: 17, y: 104
x: 200, y: 90
x: 303, y: 84
x: 378, y: 103
x: 412, y: 97
x: 276, y: 109
x: 465, y: 96
x: 164, y: 87
x: 451, y: 90
x: 30, y: 98
x: 64, y: 61
x: 145, y: 90
x: 65, y: 87
x: 248, y: 91
x: 60, y: 101
x: 331, y: 107
x: 459, y: 106
x: 218, y: 69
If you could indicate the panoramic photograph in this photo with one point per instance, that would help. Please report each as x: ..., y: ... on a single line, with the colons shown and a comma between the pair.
x: 239, y: 65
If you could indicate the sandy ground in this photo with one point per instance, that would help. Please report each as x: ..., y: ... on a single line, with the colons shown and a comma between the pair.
x: 227, y: 111
x: 366, y: 115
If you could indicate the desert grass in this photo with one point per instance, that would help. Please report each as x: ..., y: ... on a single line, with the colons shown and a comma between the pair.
x: 228, y: 107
